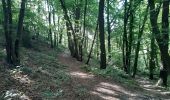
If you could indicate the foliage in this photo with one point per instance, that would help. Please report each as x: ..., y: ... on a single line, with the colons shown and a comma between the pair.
x: 48, y: 94
x: 113, y: 72
x: 80, y: 91
x: 39, y: 60
x: 61, y: 78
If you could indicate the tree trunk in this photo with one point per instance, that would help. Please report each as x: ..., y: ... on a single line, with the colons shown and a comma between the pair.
x: 70, y: 41
x: 49, y: 21
x: 138, y: 43
x: 91, y: 49
x: 19, y: 32
x: 60, y: 38
x: 71, y: 27
x: 162, y: 39
x: 84, y: 30
x: 152, y: 61
x: 55, y: 33
x: 125, y: 37
x: 7, y: 24
x: 108, y: 30
x: 130, y: 37
x: 102, y: 35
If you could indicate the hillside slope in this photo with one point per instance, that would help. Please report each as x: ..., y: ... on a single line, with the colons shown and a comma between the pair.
x: 49, y: 74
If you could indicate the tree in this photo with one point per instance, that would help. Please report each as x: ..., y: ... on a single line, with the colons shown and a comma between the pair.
x: 139, y: 42
x: 108, y: 29
x: 162, y: 39
x: 12, y: 47
x: 102, y: 35
x: 7, y: 29
x: 70, y: 26
x: 49, y: 20
x: 19, y: 31
x: 125, y: 42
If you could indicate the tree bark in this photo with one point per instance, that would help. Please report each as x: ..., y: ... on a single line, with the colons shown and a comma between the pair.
x: 55, y: 33
x: 84, y: 30
x: 102, y: 35
x: 152, y: 61
x: 6, y: 30
x: 125, y: 37
x: 162, y: 39
x: 91, y: 49
x: 19, y: 32
x: 108, y: 30
x: 71, y: 27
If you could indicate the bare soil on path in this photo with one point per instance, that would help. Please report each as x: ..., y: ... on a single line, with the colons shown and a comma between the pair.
x: 86, y: 86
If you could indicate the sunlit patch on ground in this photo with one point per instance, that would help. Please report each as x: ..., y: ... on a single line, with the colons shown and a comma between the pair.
x: 81, y: 75
x: 150, y: 86
x: 105, y: 97
x: 166, y: 93
x: 15, y: 95
x: 109, y: 91
x: 17, y: 75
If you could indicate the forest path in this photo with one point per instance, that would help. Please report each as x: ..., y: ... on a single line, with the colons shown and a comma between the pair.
x: 86, y: 86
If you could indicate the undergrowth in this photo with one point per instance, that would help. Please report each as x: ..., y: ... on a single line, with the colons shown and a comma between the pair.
x: 113, y: 72
x: 41, y: 66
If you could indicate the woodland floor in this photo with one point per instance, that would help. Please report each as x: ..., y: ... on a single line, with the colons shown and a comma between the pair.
x: 47, y: 75
x: 100, y: 88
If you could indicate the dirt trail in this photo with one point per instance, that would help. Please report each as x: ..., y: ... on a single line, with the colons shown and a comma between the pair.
x: 86, y: 86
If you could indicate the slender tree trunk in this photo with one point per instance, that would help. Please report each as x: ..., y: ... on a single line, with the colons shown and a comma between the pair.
x: 91, y: 49
x: 55, y: 34
x: 108, y: 29
x: 49, y: 21
x: 152, y: 61
x: 138, y: 43
x: 70, y: 41
x: 125, y: 38
x: 84, y: 30
x: 131, y: 26
x: 60, y: 38
x: 58, y: 34
x: 97, y: 43
x: 102, y: 35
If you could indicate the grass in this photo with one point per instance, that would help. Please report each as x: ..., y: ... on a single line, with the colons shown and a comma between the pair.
x: 115, y: 73
x: 80, y: 91
x: 40, y: 64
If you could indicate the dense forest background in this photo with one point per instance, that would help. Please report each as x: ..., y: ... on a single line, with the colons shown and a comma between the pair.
x: 128, y: 38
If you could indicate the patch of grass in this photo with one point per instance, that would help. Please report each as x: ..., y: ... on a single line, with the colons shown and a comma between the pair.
x: 49, y: 94
x: 61, y: 77
x: 80, y: 91
x: 113, y: 72
x: 26, y: 70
